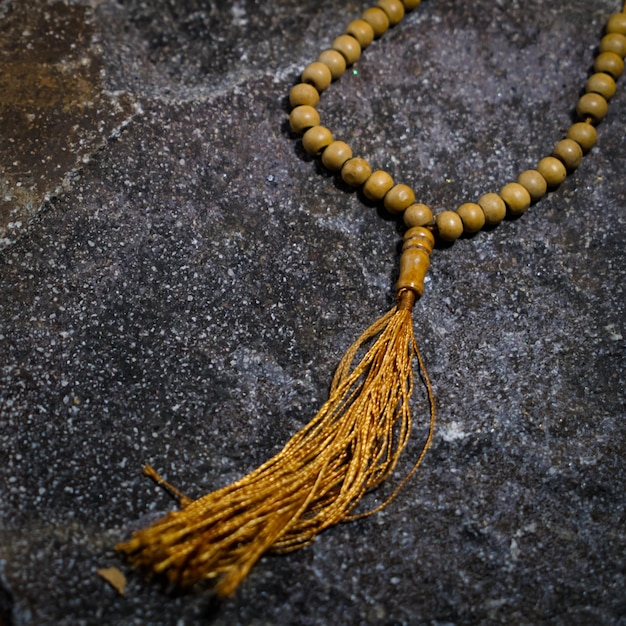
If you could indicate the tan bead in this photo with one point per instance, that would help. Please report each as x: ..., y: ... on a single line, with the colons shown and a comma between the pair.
x: 361, y: 31
x: 534, y: 183
x: 614, y: 42
x: 355, y: 172
x: 610, y: 63
x: 377, y: 19
x: 349, y: 48
x: 316, y: 139
x: 583, y: 134
x: 569, y: 152
x: 335, y: 155
x: 303, y: 117
x: 394, y: 10
x: 399, y: 198
x: 409, y: 5
x: 472, y: 216
x: 415, y: 259
x: 516, y: 198
x: 417, y: 215
x: 303, y: 93
x: 601, y: 83
x: 377, y: 185
x: 592, y: 106
x: 552, y: 170
x: 617, y: 24
x: 318, y: 75
x: 334, y: 61
x: 449, y: 225
x: 493, y: 207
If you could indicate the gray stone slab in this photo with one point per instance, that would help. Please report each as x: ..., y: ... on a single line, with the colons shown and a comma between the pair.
x: 179, y: 290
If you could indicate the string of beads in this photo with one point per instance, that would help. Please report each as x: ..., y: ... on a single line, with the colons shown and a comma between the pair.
x: 513, y: 199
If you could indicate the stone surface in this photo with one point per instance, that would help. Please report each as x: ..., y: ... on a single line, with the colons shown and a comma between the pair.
x: 180, y: 288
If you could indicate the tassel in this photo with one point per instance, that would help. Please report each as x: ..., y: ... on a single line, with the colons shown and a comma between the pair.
x: 318, y: 478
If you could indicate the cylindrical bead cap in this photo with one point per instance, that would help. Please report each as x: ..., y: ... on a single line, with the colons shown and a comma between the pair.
x: 417, y: 215
x: 377, y: 185
x: 303, y: 117
x: 585, y: 135
x: 449, y: 225
x: 472, y: 216
x: 303, y: 93
x: 552, y: 170
x: 377, y: 19
x: 617, y: 24
x: 569, y: 153
x: 415, y: 260
x: 398, y: 198
x: 610, y: 63
x: 349, y: 48
x: 316, y: 139
x: 592, y: 106
x: 394, y: 10
x: 493, y: 207
x: 334, y: 61
x: 601, y: 83
x: 516, y: 198
x: 335, y: 155
x: 361, y: 31
x: 355, y: 172
x: 318, y: 75
x: 534, y: 183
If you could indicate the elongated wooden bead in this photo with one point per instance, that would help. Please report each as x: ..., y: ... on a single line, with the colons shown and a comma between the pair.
x: 569, y: 153
x: 377, y: 185
x: 552, y: 170
x: 610, y: 63
x: 534, y: 183
x: 415, y: 259
x: 472, y: 216
x: 377, y: 19
x: 601, y: 83
x: 361, y: 31
x: 318, y: 75
x: 349, y: 47
x: 516, y: 198
x: 449, y: 225
x: 334, y: 61
x: 493, y: 207
x: 583, y: 134
x: 316, y: 139
x: 398, y: 198
x: 355, y: 172
x: 303, y: 117
x: 335, y: 155
x: 418, y: 215
x: 394, y: 10
x: 592, y: 106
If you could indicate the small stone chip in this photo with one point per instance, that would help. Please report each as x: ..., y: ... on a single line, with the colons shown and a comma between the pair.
x: 115, y: 578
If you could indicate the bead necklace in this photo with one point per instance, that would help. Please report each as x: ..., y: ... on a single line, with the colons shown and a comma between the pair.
x: 354, y: 442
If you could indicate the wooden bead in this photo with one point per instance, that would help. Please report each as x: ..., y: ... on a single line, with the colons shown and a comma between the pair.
x: 617, y: 24
x: 394, y: 10
x: 534, y: 183
x: 334, y: 61
x: 472, y: 216
x: 601, y: 83
x: 349, y: 48
x: 417, y: 215
x: 361, y: 31
x: 303, y: 117
x: 516, y: 198
x: 377, y: 19
x: 355, y: 172
x: 335, y: 155
x: 592, y: 106
x: 303, y: 93
x: 493, y: 207
x: 318, y: 75
x: 614, y: 42
x: 399, y: 198
x: 377, y: 185
x: 409, y: 5
x: 583, y: 134
x: 449, y: 225
x: 569, y: 153
x: 415, y: 259
x: 316, y: 139
x: 610, y: 63
x: 552, y: 170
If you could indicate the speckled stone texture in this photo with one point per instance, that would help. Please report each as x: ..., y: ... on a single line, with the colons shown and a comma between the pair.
x: 178, y: 281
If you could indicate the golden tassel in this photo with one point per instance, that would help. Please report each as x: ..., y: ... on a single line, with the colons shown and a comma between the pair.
x: 318, y: 478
